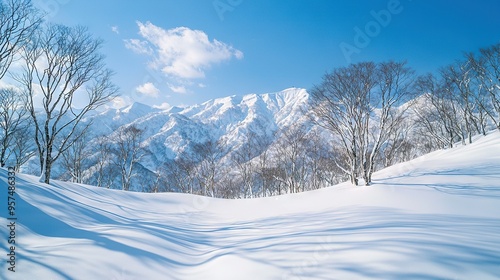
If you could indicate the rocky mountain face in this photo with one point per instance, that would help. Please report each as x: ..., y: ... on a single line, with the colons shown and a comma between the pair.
x: 170, y: 132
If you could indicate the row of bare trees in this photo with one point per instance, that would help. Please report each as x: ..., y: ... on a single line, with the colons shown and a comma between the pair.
x: 296, y: 162
x: 300, y: 159
x: 462, y: 100
x: 18, y: 22
x: 60, y: 65
x: 363, y: 106
x: 15, y: 129
x: 376, y: 119
x: 109, y: 161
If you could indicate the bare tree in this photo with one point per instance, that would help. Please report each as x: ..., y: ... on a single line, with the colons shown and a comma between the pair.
x: 103, y: 162
x: 341, y: 105
x: 159, y: 183
x: 480, y: 95
x: 264, y: 180
x: 320, y: 162
x: 395, y: 82
x: 400, y: 146
x: 459, y: 82
x: 229, y: 187
x: 209, y: 168
x: 242, y: 158
x: 182, y: 175
x: 438, y: 116
x: 18, y: 21
x: 291, y: 158
x: 75, y: 158
x: 13, y: 114
x: 127, y: 152
x: 62, y: 65
x: 151, y: 181
x: 23, y: 146
x: 360, y: 104
x: 487, y: 67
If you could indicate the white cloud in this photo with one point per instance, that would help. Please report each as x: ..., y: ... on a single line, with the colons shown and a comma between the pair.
x: 181, y: 52
x: 138, y: 46
x: 163, y: 106
x: 177, y: 89
x: 115, y: 29
x: 148, y: 89
x: 119, y: 102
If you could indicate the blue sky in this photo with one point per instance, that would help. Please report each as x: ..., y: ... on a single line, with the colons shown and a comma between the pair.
x: 186, y: 52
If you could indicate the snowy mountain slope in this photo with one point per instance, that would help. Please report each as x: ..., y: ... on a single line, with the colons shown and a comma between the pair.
x: 109, y: 120
x: 436, y: 217
x: 168, y: 133
x: 230, y: 118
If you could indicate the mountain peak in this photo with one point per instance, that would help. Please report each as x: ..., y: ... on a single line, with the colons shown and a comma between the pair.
x: 137, y: 107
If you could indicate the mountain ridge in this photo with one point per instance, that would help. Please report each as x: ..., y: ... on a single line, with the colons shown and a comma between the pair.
x: 229, y: 117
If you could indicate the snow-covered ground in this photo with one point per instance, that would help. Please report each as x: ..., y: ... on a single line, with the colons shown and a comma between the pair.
x: 436, y: 217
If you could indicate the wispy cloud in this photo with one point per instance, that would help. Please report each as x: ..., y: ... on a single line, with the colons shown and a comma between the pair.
x: 138, y: 46
x: 115, y: 29
x: 180, y: 53
x: 178, y: 89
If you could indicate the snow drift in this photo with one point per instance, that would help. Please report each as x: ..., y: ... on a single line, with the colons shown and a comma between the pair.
x: 437, y: 216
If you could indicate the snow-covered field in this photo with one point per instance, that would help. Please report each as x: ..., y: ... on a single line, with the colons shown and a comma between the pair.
x: 436, y: 217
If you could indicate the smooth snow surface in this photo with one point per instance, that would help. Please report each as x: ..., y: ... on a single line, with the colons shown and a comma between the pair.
x: 436, y: 217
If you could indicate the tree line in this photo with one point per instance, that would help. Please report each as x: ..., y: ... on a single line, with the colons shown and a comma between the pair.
x: 360, y: 118
x: 384, y: 113
x: 259, y: 167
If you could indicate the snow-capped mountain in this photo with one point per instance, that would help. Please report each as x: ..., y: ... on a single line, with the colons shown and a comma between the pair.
x: 111, y: 119
x: 167, y: 133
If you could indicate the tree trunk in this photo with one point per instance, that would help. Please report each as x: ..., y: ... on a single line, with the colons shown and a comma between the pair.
x: 2, y: 158
x: 46, y: 169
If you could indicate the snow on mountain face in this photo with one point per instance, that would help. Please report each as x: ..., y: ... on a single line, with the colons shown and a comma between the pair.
x: 109, y: 120
x: 170, y: 132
